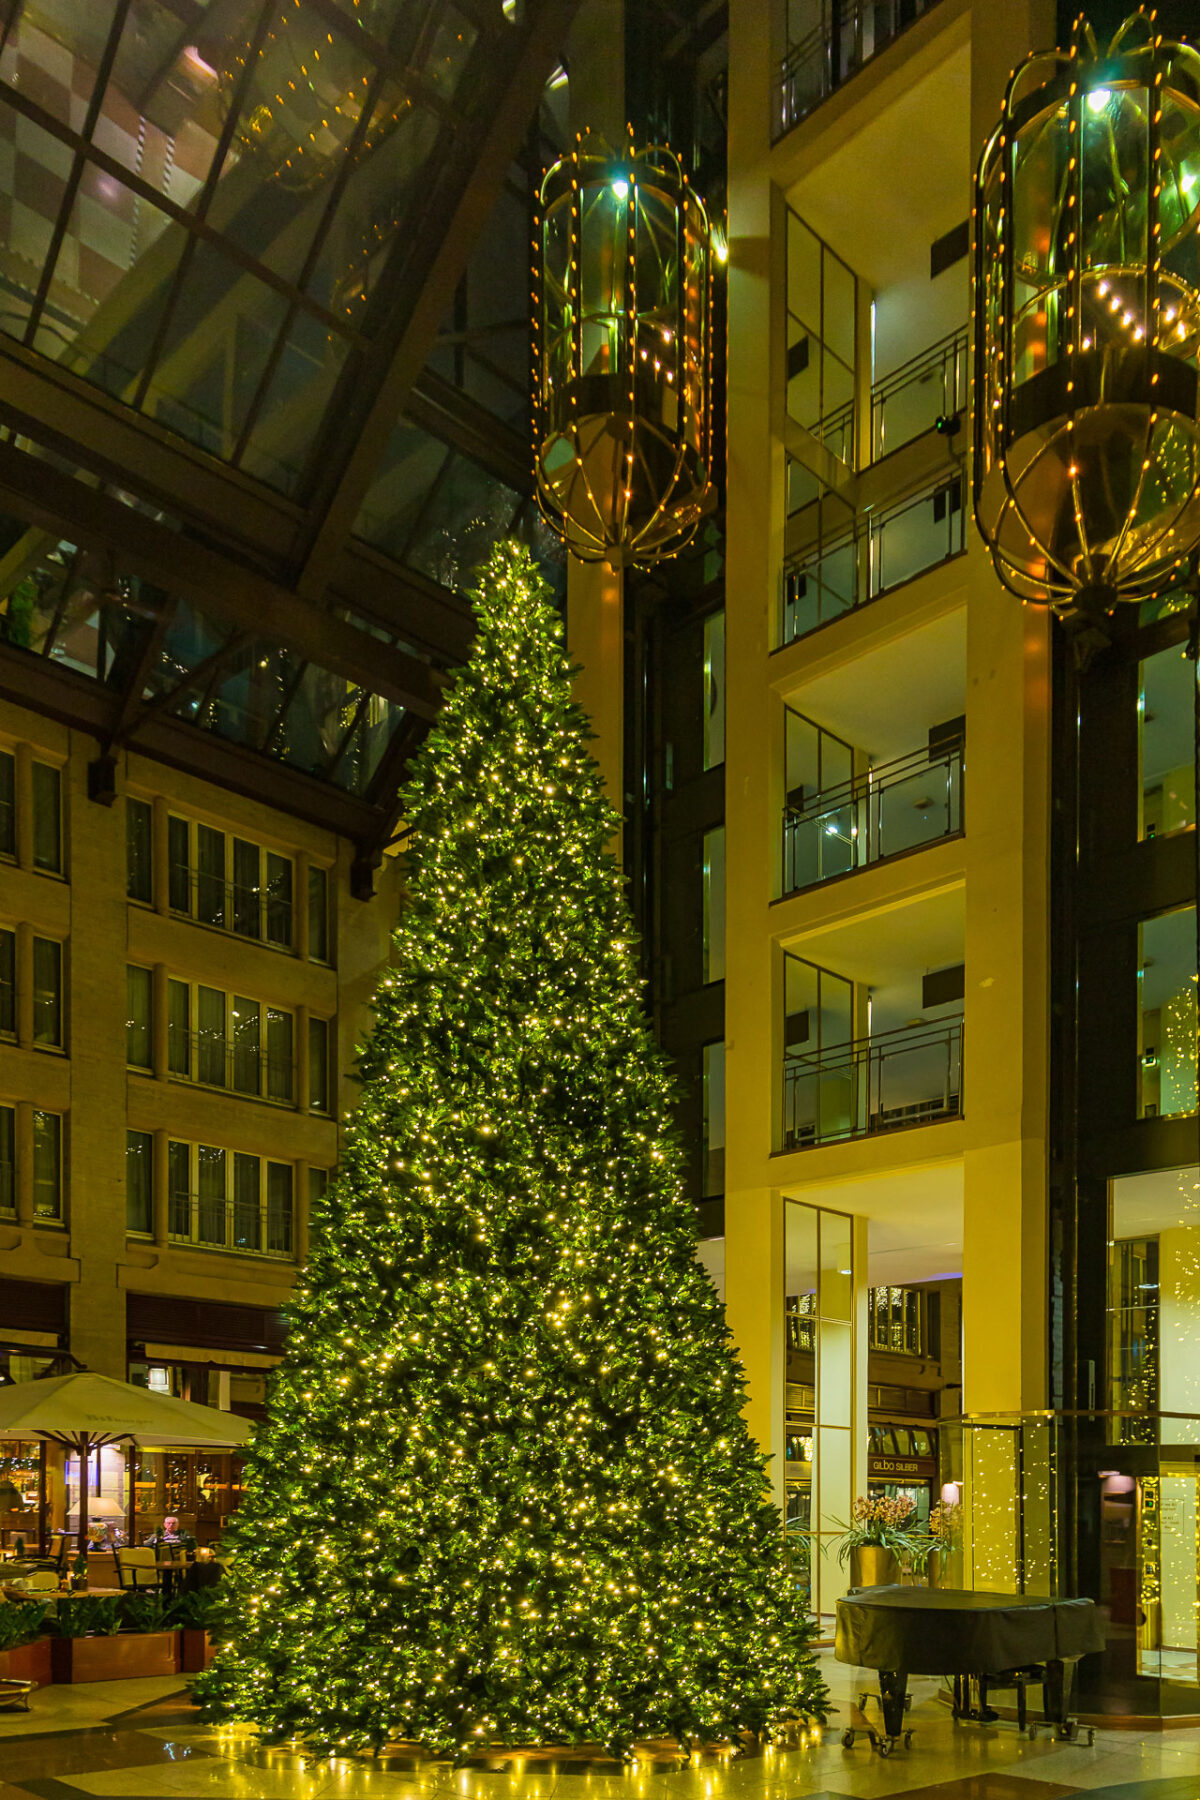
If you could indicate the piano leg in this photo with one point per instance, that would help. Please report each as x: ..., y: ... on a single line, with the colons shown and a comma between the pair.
x: 893, y: 1690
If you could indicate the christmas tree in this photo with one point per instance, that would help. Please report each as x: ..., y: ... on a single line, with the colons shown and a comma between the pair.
x: 505, y: 1492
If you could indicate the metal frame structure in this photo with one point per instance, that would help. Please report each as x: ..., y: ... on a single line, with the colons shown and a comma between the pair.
x: 86, y: 466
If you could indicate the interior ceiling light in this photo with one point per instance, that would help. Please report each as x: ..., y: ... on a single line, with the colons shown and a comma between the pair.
x: 1087, y: 322
x: 623, y: 340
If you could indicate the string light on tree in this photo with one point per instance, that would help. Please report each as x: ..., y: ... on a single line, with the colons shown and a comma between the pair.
x: 505, y: 1492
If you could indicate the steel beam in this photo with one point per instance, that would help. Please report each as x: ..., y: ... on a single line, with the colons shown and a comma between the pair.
x: 375, y: 387
x: 243, y: 598
x: 85, y: 705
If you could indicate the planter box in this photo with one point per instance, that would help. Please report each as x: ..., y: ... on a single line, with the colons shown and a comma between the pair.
x: 197, y: 1650
x: 130, y: 1654
x: 28, y: 1662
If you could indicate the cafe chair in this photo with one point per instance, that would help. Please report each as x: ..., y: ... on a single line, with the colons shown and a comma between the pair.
x: 137, y: 1568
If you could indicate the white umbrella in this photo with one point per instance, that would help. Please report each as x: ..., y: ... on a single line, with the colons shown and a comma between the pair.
x: 84, y: 1412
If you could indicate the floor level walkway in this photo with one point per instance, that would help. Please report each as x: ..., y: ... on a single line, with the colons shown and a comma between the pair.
x: 143, y: 1740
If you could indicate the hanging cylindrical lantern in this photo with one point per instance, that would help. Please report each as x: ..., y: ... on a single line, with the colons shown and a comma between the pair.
x: 1087, y: 322
x: 622, y: 329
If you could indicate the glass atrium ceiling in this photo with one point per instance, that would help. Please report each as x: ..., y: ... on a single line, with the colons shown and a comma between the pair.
x: 219, y: 220
x: 200, y: 198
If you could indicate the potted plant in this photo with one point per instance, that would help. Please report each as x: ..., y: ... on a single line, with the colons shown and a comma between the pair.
x: 194, y: 1615
x: 944, y: 1558
x: 24, y: 1656
x: 879, y: 1534
x: 92, y: 1646
x: 79, y: 1574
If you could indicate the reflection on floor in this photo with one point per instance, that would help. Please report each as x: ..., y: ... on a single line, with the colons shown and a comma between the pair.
x: 143, y: 1740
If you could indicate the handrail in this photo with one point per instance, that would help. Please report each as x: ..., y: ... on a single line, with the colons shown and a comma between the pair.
x: 856, y: 1104
x: 253, y: 1058
x: 866, y: 823
x: 268, y: 1220
x: 835, y: 50
x: 869, y: 575
x: 908, y: 371
x: 235, y: 895
x: 913, y: 1033
x: 879, y: 775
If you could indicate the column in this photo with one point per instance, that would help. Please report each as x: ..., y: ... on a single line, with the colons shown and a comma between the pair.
x: 160, y: 1023
x: 161, y: 856
x: 25, y: 985
x: 303, y: 1067
x: 24, y: 1156
x: 160, y: 1189
x: 300, y: 924
x: 24, y: 806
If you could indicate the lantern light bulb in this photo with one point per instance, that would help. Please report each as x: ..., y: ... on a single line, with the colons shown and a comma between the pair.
x: 1098, y: 99
x: 620, y: 187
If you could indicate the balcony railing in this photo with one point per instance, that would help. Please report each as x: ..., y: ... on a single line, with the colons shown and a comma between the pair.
x: 878, y: 552
x: 898, y: 806
x: 849, y: 34
x: 254, y: 1227
x: 910, y: 401
x: 912, y: 1076
x: 210, y: 1060
x: 251, y: 911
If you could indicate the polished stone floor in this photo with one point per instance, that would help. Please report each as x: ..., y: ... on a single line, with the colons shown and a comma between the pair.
x: 142, y: 1740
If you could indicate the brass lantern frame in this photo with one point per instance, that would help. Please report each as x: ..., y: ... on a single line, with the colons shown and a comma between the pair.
x: 1146, y: 387
x: 622, y: 415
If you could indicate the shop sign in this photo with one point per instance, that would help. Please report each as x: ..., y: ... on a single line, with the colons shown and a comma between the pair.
x: 924, y: 1467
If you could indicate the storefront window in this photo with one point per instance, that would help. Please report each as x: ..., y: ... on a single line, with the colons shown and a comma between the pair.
x: 1166, y: 1074
x: 819, y: 1400
x: 714, y: 690
x: 714, y: 1120
x: 1166, y: 742
x: 714, y: 904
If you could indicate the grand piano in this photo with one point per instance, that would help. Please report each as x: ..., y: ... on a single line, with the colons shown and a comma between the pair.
x: 979, y: 1639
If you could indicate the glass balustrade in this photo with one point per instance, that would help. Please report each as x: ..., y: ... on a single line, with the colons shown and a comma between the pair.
x: 828, y: 41
x: 899, y: 806
x: 912, y: 1076
x: 910, y: 401
x: 880, y: 551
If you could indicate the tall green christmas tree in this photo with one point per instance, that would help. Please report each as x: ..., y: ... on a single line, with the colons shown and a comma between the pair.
x: 505, y: 1492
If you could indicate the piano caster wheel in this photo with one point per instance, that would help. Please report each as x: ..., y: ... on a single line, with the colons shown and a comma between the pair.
x: 1031, y: 1732
x: 847, y: 1740
x: 885, y: 1746
x: 908, y: 1740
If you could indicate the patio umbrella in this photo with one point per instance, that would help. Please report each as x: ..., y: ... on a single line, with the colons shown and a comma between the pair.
x: 84, y: 1412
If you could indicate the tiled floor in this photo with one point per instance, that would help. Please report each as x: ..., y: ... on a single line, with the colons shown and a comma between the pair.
x: 143, y: 1740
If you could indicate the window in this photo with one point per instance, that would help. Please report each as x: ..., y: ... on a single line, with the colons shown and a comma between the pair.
x: 139, y: 850
x: 8, y: 803
x: 139, y: 1003
x: 8, y: 983
x: 47, y: 993
x: 822, y: 307
x: 318, y: 1064
x: 8, y: 1159
x: 228, y: 1200
x: 713, y: 882
x: 47, y: 818
x: 1166, y: 1044
x: 318, y: 914
x: 714, y: 690
x: 230, y: 1041
x: 229, y: 882
x: 896, y: 1320
x: 139, y: 1181
x: 1166, y: 747
x: 318, y: 1183
x: 47, y: 1165
x: 713, y: 1081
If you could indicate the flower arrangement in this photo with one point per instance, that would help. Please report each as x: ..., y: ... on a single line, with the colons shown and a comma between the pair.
x: 885, y: 1522
x: 945, y: 1525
